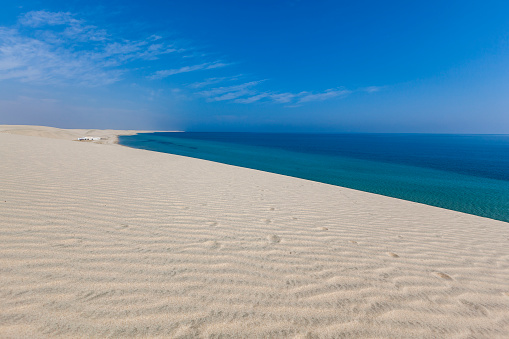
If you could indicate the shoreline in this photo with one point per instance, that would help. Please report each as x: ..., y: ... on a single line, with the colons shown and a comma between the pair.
x: 439, y: 187
x: 117, y: 241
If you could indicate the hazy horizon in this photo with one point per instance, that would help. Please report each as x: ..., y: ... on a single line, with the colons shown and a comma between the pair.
x: 257, y: 66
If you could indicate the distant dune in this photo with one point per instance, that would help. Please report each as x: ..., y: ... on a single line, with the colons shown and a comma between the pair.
x: 101, y: 240
x: 108, y: 136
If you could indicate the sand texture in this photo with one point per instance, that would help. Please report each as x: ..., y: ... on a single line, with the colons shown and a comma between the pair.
x: 100, y: 240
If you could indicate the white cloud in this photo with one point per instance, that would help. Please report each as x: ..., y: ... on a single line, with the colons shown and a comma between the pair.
x: 230, y: 92
x: 31, y: 60
x: 252, y: 99
x: 167, y: 72
x: 231, y: 95
x: 74, y: 28
x: 283, y: 98
x: 212, y: 81
x: 246, y: 94
x: 57, y: 48
x: 373, y: 89
x: 227, y: 89
x: 328, y: 94
x: 42, y: 18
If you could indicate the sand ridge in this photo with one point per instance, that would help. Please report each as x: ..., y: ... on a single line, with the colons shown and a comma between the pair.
x: 100, y: 241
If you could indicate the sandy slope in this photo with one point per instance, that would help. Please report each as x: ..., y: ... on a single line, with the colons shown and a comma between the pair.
x: 108, y: 241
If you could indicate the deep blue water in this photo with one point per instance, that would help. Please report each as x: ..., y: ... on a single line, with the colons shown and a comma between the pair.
x: 467, y: 173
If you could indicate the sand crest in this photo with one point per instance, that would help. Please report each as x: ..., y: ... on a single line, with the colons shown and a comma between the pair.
x: 108, y: 241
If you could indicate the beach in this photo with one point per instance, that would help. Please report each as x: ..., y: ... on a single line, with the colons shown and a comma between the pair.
x: 101, y: 240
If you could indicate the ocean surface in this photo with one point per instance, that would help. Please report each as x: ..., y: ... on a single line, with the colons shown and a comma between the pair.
x: 466, y: 173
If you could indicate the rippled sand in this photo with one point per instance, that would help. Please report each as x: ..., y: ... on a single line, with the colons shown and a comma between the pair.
x: 100, y: 240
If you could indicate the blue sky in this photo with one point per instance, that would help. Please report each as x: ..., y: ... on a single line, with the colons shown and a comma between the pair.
x: 289, y: 65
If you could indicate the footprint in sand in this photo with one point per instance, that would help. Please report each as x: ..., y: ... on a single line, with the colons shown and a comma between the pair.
x: 475, y: 307
x: 304, y: 335
x: 442, y: 275
x: 394, y: 255
x: 121, y: 227
x: 92, y: 295
x: 68, y: 243
x: 213, y: 245
x: 274, y: 239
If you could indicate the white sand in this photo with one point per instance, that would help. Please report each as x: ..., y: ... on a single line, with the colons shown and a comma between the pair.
x: 100, y: 240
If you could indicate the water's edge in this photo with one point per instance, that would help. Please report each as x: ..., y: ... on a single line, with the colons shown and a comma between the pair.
x: 476, y: 195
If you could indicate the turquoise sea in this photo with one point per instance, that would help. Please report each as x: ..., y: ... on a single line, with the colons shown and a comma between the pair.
x: 466, y: 173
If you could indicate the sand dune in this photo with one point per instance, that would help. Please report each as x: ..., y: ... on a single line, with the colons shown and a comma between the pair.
x: 108, y: 136
x: 107, y: 241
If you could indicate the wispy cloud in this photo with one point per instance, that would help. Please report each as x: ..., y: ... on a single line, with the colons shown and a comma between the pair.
x: 247, y: 93
x: 251, y: 99
x: 32, y: 60
x: 283, y: 98
x: 230, y: 92
x: 42, y: 18
x: 328, y: 94
x: 57, y: 48
x: 61, y: 48
x: 72, y: 27
x: 213, y: 81
x: 185, y: 69
x: 373, y: 89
